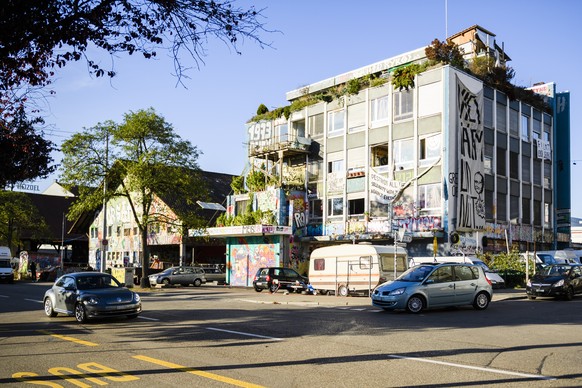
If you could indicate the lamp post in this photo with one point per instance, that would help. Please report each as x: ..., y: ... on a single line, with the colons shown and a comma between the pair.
x: 104, y: 242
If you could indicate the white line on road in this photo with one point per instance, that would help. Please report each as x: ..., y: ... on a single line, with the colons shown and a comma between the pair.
x: 491, y: 370
x: 246, y: 334
x: 4, y: 296
x: 33, y: 300
x: 148, y: 318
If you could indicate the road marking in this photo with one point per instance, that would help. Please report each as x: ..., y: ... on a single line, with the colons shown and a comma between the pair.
x: 208, y: 375
x: 4, y: 296
x: 34, y: 300
x: 148, y: 318
x: 67, y: 338
x: 491, y: 370
x: 245, y: 334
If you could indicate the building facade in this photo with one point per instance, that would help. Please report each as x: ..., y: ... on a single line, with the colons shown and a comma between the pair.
x: 447, y: 165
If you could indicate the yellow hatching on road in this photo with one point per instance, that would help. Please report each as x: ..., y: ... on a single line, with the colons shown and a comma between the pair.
x: 207, y: 375
x: 67, y: 338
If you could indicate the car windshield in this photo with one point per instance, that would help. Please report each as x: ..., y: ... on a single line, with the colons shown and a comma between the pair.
x: 416, y: 274
x: 547, y: 259
x: 92, y: 282
x: 556, y: 270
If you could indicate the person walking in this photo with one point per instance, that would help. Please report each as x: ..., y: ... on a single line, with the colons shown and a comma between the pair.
x: 32, y: 267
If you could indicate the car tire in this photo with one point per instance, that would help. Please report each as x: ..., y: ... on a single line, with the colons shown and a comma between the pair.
x: 274, y: 287
x: 166, y: 282
x: 342, y: 291
x: 197, y: 283
x: 569, y: 294
x: 258, y: 289
x: 531, y: 297
x: 48, y: 308
x: 481, y: 301
x: 80, y: 313
x: 415, y: 304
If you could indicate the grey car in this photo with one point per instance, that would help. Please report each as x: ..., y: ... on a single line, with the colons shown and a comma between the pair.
x: 88, y: 295
x: 435, y: 285
x: 179, y: 275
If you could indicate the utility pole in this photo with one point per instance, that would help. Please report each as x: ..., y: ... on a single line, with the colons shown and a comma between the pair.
x: 104, y: 242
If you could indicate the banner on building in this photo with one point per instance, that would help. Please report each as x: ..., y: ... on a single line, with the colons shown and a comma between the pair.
x: 471, y: 178
x: 382, y: 189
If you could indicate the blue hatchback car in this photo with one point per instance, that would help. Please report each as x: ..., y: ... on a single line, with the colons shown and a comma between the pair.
x: 435, y: 285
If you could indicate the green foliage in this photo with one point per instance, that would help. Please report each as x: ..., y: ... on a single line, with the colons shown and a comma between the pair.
x: 353, y: 86
x: 256, y: 181
x: 445, y: 53
x: 238, y: 184
x: 20, y: 218
x: 262, y: 109
x: 249, y: 217
x: 403, y: 77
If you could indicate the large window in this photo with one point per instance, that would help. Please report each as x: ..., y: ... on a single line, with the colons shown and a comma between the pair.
x: 379, y: 109
x: 316, y: 125
x: 379, y: 156
x: 403, y: 104
x: 404, y: 153
x: 429, y: 196
x: 430, y: 148
x: 356, y: 206
x: 501, y: 162
x: 335, y: 206
x: 335, y: 166
x: 335, y: 123
x: 315, y: 209
x: 524, y: 128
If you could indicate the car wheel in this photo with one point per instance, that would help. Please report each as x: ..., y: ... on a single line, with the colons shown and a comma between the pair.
x: 569, y: 295
x: 342, y: 290
x: 415, y: 304
x: 274, y: 287
x: 531, y: 297
x: 48, y: 308
x: 197, y: 283
x: 258, y: 289
x: 481, y: 301
x: 80, y: 313
x: 166, y: 282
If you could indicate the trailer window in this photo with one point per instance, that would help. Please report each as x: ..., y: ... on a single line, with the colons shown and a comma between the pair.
x: 365, y: 262
x: 388, y: 263
x: 319, y: 264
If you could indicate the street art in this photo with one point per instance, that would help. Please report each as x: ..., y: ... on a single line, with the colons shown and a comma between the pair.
x: 247, y: 256
x: 470, y: 198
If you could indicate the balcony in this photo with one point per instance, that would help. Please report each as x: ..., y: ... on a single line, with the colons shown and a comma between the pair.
x: 288, y: 144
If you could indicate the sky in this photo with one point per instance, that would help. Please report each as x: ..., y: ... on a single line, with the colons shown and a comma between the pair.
x: 312, y: 40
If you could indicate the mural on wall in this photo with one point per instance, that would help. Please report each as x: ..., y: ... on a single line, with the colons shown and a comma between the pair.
x: 247, y: 255
x: 470, y: 195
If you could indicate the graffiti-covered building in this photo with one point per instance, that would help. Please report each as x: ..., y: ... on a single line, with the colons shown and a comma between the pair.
x: 440, y: 151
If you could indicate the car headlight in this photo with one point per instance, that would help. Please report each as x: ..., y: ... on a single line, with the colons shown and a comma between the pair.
x: 136, y: 297
x: 92, y: 301
x: 398, y: 291
x: 559, y: 283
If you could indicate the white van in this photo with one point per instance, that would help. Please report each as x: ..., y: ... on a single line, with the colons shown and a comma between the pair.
x: 6, y: 273
x: 347, y: 268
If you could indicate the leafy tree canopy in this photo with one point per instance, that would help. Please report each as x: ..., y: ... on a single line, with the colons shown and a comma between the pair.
x: 25, y: 154
x: 445, y: 52
x: 37, y: 37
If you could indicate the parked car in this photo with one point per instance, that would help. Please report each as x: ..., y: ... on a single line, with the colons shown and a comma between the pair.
x: 556, y: 280
x: 496, y: 280
x: 214, y: 274
x: 179, y: 275
x: 432, y: 285
x: 88, y: 295
x: 273, y: 278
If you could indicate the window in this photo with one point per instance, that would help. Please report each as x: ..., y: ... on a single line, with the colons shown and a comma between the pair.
x: 240, y: 207
x: 442, y: 274
x: 526, y: 211
x: 429, y: 196
x: 379, y: 109
x: 537, y: 211
x: 335, y: 122
x: 430, y: 148
x: 514, y: 165
x: 501, y: 161
x: 356, y: 117
x: 319, y: 264
x: 403, y: 105
x: 335, y: 206
x: 126, y: 231
x: 282, y: 132
x: 335, y: 166
x: 537, y: 129
x: 316, y: 125
x: 501, y: 117
x: 524, y: 128
x: 365, y: 262
x: 463, y: 272
x: 514, y: 122
x: 315, y: 209
x: 501, y: 207
x: 513, y: 207
x: 488, y: 113
x: 430, y: 99
x: 379, y: 155
x: 525, y: 168
x: 404, y: 153
x: 356, y: 206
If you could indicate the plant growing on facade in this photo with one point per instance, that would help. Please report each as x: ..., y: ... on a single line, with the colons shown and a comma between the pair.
x: 255, y: 181
x: 403, y: 77
x: 238, y: 184
x: 445, y: 52
x: 262, y: 109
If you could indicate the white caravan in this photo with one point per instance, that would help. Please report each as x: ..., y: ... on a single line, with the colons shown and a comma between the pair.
x: 346, y: 268
x: 6, y: 273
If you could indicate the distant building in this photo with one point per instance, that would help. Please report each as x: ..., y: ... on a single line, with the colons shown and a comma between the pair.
x: 354, y: 159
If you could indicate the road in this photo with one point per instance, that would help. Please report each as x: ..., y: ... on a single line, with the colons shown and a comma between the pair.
x: 216, y: 336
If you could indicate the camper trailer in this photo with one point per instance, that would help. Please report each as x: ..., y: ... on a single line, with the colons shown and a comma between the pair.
x: 350, y: 268
x: 6, y: 272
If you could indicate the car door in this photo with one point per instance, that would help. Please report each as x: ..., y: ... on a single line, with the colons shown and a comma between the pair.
x: 465, y: 283
x: 576, y: 278
x: 186, y: 276
x: 440, y: 287
x: 65, y: 294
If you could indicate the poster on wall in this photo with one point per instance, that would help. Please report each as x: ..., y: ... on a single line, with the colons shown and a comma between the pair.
x: 471, y: 178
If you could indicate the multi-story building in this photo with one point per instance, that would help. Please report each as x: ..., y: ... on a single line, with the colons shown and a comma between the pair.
x: 447, y: 164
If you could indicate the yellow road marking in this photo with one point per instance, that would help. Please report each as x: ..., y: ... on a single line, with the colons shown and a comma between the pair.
x: 212, y: 376
x: 67, y: 338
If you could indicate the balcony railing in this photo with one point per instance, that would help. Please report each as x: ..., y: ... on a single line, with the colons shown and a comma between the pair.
x: 287, y: 143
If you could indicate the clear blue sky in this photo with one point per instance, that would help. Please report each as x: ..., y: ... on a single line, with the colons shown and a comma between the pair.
x: 317, y: 39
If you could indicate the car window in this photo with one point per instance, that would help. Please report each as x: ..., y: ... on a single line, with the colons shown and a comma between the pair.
x: 464, y: 272
x: 291, y: 274
x: 187, y: 270
x: 442, y: 275
x: 277, y: 272
x: 66, y: 282
x: 416, y: 274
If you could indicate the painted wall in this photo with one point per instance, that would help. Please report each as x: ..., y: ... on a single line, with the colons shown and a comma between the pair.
x: 245, y: 255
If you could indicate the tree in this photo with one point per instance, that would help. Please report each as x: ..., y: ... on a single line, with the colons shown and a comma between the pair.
x: 145, y: 160
x: 445, y: 52
x: 25, y: 154
x: 18, y: 215
x: 37, y: 37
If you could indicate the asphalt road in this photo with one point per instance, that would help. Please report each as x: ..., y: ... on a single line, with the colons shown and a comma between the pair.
x: 215, y: 336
